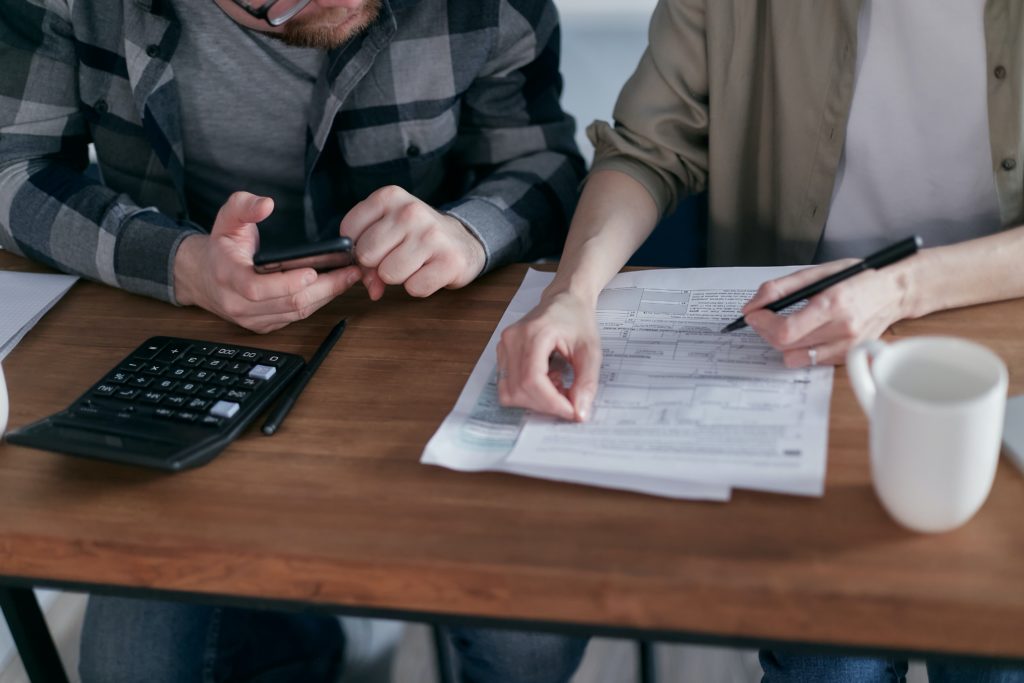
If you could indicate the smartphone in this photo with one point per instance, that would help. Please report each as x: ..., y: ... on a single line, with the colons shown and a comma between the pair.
x: 327, y: 255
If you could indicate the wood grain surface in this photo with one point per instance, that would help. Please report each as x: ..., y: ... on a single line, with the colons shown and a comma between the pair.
x: 336, y: 509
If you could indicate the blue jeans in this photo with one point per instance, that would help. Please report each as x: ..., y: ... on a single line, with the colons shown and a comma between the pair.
x: 134, y: 641
x: 784, y: 667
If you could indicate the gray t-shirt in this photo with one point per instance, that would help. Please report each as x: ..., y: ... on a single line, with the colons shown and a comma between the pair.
x: 245, y: 102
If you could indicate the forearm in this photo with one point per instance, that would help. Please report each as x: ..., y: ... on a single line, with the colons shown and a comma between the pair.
x: 614, y: 217
x: 59, y: 217
x: 972, y: 272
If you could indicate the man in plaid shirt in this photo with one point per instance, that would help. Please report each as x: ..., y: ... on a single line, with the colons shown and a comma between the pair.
x: 428, y: 131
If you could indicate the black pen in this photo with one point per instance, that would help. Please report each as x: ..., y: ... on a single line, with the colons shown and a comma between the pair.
x: 291, y: 394
x: 891, y: 254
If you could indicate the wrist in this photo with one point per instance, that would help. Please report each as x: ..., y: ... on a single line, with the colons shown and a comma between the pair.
x: 476, y: 255
x: 910, y: 280
x: 185, y: 269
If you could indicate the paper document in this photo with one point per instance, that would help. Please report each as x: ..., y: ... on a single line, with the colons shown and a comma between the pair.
x: 682, y: 410
x: 24, y: 299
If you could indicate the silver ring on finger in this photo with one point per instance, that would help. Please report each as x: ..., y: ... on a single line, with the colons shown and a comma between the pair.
x: 812, y: 353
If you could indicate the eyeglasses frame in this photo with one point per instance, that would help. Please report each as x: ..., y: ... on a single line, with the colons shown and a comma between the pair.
x: 263, y: 13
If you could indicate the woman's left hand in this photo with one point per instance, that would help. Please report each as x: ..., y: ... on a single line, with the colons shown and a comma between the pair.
x: 833, y: 321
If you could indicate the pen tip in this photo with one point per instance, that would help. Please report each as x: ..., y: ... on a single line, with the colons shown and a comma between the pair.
x: 269, y: 430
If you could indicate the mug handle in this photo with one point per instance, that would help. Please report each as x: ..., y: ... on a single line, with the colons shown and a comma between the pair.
x: 861, y: 379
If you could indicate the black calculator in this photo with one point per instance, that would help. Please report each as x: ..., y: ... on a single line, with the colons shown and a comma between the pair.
x: 170, y: 404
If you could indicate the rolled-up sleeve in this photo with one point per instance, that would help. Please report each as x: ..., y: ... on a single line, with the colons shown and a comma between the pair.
x: 660, y: 135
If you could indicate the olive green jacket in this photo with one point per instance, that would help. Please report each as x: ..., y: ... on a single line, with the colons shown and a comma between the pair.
x: 749, y: 99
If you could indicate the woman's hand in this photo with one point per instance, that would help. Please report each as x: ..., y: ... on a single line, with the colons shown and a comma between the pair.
x: 561, y: 324
x: 833, y: 321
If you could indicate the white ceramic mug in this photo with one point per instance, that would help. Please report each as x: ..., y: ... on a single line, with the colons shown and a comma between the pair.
x: 4, y: 402
x: 936, y: 407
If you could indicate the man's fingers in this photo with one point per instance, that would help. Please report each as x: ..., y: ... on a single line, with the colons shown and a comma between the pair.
x: 374, y: 285
x: 257, y: 287
x: 428, y: 279
x: 372, y: 209
x: 241, y: 210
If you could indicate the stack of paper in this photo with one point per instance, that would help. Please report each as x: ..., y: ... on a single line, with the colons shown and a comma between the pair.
x: 24, y: 299
x: 682, y: 410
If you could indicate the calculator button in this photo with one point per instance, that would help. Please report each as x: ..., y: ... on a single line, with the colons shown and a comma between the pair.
x: 262, y: 372
x: 118, y: 377
x: 179, y: 373
x: 225, y: 352
x: 198, y: 404
x: 189, y: 388
x: 165, y: 385
x: 164, y: 413
x: 215, y: 364
x: 154, y: 368
x: 224, y: 409
x: 151, y: 396
x: 140, y: 381
x: 224, y: 380
x: 249, y: 383
x: 132, y: 365
x: 211, y: 392
x: 105, y: 389
x: 191, y: 360
x: 172, y: 352
x: 249, y: 356
x: 202, y: 375
x: 236, y: 395
x: 273, y: 359
x: 176, y: 401
x: 212, y: 421
x: 202, y: 349
x: 126, y: 394
x: 238, y: 368
x: 186, y: 416
x: 147, y: 351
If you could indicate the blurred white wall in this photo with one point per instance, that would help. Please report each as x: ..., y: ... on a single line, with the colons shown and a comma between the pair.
x: 602, y: 41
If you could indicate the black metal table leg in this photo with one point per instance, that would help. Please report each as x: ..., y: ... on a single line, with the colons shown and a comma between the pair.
x: 648, y: 668
x: 31, y: 635
x: 445, y: 672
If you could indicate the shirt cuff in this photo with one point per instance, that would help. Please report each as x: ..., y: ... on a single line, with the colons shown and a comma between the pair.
x: 489, y: 224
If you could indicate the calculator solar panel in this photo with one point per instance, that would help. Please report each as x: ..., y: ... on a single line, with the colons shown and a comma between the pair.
x: 170, y: 404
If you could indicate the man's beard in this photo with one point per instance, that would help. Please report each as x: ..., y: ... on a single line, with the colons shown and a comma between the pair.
x: 329, y: 28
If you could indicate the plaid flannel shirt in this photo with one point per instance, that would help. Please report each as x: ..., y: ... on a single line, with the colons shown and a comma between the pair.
x: 457, y: 102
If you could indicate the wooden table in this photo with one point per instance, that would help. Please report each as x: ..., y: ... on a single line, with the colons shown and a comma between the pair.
x: 335, y: 511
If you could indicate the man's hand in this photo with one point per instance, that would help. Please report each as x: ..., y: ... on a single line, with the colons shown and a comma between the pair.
x: 833, y: 321
x: 215, y: 272
x: 399, y: 240
x: 564, y: 324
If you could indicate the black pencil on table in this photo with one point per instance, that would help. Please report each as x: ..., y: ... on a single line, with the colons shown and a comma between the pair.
x: 292, y: 393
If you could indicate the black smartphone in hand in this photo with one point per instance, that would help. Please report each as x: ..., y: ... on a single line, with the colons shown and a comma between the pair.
x: 327, y: 255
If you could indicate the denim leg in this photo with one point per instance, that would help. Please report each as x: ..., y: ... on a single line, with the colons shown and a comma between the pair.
x: 133, y: 640
x: 782, y: 667
x: 972, y: 672
x: 500, y: 656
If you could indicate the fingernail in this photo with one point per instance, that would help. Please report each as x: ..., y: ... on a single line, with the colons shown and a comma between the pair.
x: 583, y: 407
x: 309, y: 279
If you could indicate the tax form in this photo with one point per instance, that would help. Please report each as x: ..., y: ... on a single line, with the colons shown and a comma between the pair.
x: 681, y: 411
